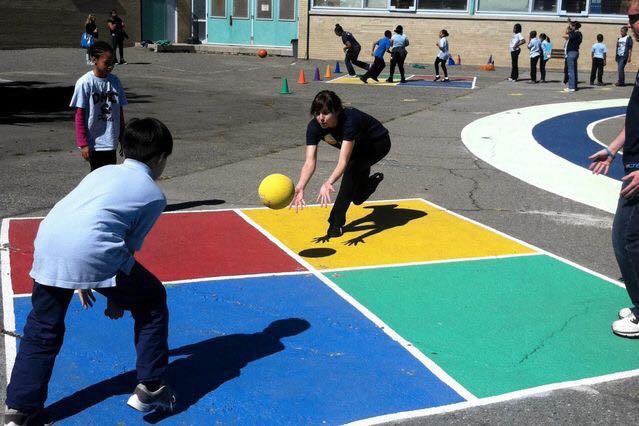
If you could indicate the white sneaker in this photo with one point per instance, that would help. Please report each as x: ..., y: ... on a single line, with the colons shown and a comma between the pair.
x: 144, y: 400
x: 569, y: 90
x: 625, y: 313
x: 626, y: 327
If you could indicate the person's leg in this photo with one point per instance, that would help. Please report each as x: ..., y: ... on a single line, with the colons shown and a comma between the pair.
x: 378, y: 66
x: 436, y: 68
x: 625, y: 242
x: 366, y: 184
x: 566, y: 70
x: 114, y: 44
x: 98, y: 159
x: 600, y: 71
x: 576, y: 70
x: 393, y: 62
x: 621, y: 71
x: 143, y: 294
x: 121, y: 47
x: 444, y: 68
x: 354, y: 55
x: 400, y: 64
x: 572, y: 74
x: 542, y: 69
x: 515, y: 58
x: 593, y: 71
x: 349, y: 65
x: 39, y: 346
x: 533, y: 69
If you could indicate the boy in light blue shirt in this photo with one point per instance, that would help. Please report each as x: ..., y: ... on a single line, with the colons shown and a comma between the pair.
x: 88, y: 241
x: 599, y: 54
x: 380, y: 47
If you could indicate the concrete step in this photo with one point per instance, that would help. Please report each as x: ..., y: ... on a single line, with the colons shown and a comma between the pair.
x: 218, y: 48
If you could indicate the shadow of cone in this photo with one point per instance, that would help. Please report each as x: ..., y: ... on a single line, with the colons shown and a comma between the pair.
x: 302, y: 78
x: 285, y: 90
x: 328, y: 72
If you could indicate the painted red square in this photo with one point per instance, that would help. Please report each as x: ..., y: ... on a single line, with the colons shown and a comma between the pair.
x: 180, y: 246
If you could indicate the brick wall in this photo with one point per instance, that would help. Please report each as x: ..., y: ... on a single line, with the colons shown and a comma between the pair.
x: 473, y: 38
x: 60, y: 23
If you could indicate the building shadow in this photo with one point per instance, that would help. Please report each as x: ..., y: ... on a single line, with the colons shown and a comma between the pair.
x: 200, y: 369
x: 190, y: 204
x: 380, y: 219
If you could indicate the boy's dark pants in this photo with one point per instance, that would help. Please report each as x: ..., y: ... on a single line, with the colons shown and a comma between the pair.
x: 597, y: 70
x: 355, y: 180
x: 514, y: 64
x: 117, y: 41
x: 351, y: 59
x: 621, y: 69
x: 140, y: 292
x: 397, y: 58
x: 533, y: 68
x: 98, y: 159
x: 376, y: 68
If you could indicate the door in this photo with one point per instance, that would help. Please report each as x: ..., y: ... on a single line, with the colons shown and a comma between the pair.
x: 275, y: 22
x: 153, y: 20
x: 230, y: 22
x: 199, y: 19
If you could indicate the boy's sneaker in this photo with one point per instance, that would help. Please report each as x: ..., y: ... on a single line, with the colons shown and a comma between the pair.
x: 334, y: 231
x: 375, y: 79
x: 627, y: 326
x: 144, y: 400
x: 389, y: 80
x: 568, y: 90
x: 13, y: 417
x: 436, y: 78
x: 364, y: 79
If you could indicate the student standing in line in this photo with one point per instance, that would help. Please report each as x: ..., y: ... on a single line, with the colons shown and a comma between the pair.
x: 442, y: 55
x: 98, y: 100
x: 399, y: 42
x: 362, y: 142
x: 380, y: 47
x: 92, y: 29
x: 515, y: 42
x: 87, y: 242
x: 116, y: 27
x: 351, y: 50
x: 534, y: 45
x: 599, y: 53
x: 546, y: 53
x: 574, y: 38
x: 623, y: 55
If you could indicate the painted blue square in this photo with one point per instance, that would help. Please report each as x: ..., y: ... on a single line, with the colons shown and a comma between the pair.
x: 270, y: 350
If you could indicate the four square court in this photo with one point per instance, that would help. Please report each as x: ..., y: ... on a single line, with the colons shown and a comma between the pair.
x: 414, y: 307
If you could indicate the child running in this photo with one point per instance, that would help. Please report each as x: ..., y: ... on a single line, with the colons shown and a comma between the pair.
x: 399, y: 42
x: 362, y: 140
x: 599, y: 54
x: 546, y: 53
x: 351, y: 49
x: 98, y: 100
x: 534, y: 45
x: 380, y: 47
x: 442, y: 55
x: 88, y: 241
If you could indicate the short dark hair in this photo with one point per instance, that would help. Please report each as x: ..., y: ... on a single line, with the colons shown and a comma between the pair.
x: 445, y: 33
x: 388, y: 34
x: 543, y: 36
x: 599, y: 38
x: 99, y: 48
x: 145, y: 139
x: 533, y: 34
x: 517, y: 28
x: 399, y: 29
x: 326, y: 100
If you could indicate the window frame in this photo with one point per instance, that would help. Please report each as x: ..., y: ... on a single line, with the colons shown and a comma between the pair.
x: 446, y: 11
x: 210, y: 10
x: 279, y: 12
x: 256, y: 12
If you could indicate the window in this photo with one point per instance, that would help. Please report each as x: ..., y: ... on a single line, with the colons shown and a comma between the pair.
x: 375, y: 4
x: 218, y: 8
x: 287, y: 10
x: 573, y: 6
x: 402, y: 4
x: 240, y: 8
x: 545, y: 6
x: 609, y: 7
x: 338, y: 3
x: 442, y: 4
x: 199, y: 9
x: 264, y: 9
x: 503, y: 6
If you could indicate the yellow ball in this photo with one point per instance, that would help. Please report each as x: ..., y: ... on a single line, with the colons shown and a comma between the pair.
x: 276, y: 191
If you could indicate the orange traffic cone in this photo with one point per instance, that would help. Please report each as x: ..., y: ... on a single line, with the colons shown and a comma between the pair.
x: 328, y: 72
x: 302, y: 79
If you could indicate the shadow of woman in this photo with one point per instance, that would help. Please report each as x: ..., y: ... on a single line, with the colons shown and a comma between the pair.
x: 382, y: 218
x: 202, y: 368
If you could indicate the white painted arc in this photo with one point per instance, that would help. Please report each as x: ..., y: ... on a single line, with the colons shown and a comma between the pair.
x: 505, y: 141
x: 590, y: 130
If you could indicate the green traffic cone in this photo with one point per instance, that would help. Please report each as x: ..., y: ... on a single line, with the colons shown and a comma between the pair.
x: 285, y: 90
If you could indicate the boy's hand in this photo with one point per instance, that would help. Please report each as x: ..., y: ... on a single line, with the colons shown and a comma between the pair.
x: 85, y: 152
x: 86, y: 298
x: 113, y: 311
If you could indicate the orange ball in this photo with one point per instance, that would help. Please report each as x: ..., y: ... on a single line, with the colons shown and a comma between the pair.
x: 262, y: 53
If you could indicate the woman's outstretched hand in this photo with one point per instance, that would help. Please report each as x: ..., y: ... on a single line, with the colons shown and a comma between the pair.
x: 298, y: 200
x: 324, y: 197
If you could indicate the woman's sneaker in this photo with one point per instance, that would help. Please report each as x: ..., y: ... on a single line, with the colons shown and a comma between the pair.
x: 627, y: 326
x: 436, y: 78
x: 144, y: 400
x: 13, y: 417
x: 446, y: 80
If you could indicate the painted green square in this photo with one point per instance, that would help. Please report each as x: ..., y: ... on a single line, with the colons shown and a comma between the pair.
x: 501, y: 325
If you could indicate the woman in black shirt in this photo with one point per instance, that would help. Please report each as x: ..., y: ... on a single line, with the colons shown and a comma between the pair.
x: 91, y: 29
x: 362, y: 140
x: 351, y: 50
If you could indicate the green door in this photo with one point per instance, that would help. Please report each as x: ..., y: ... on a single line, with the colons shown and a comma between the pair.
x: 253, y: 22
x: 153, y: 20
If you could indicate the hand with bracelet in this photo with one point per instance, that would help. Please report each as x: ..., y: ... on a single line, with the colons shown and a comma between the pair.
x: 601, y: 161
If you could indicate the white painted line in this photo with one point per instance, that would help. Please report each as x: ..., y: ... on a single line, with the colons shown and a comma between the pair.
x: 505, y: 141
x: 430, y: 262
x: 474, y: 82
x: 494, y: 399
x: 423, y: 359
x: 591, y: 127
x: 9, y: 318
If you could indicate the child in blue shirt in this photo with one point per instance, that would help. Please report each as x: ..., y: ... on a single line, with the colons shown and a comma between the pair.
x: 380, y: 47
x: 599, y: 53
x: 534, y: 45
x: 546, y: 53
x: 88, y: 241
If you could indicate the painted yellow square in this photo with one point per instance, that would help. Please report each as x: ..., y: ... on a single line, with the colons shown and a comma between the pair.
x: 383, y: 233
x: 355, y: 80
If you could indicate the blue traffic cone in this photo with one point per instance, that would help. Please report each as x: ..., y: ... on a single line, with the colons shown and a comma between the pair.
x: 337, y: 70
x: 451, y: 61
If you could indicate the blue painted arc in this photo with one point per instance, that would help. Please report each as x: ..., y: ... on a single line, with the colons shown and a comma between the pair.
x: 566, y: 136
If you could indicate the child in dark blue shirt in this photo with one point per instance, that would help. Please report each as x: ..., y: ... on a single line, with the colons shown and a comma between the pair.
x: 379, y: 48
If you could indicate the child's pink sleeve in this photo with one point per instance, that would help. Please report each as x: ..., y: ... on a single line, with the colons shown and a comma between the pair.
x: 81, y: 138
